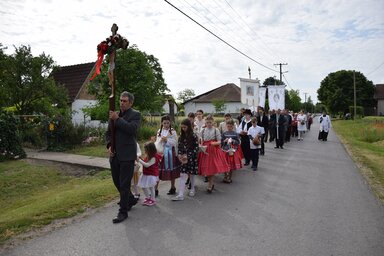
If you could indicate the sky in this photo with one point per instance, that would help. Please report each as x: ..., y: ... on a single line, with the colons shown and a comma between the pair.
x: 314, y: 38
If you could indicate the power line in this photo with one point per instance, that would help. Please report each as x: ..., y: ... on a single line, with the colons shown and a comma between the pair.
x: 287, y: 81
x: 261, y: 64
x: 375, y: 69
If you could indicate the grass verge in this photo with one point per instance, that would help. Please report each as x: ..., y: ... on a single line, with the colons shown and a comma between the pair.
x: 33, y: 195
x: 364, y: 139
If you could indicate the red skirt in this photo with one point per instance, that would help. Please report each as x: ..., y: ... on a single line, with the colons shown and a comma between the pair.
x: 213, y: 161
x: 235, y: 160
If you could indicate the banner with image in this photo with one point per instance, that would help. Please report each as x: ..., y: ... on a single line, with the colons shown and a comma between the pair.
x: 276, y: 97
x: 262, y: 94
x: 249, y: 91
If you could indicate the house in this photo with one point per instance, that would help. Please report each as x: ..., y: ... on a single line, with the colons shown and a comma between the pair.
x: 379, y: 96
x: 230, y: 93
x: 75, y: 78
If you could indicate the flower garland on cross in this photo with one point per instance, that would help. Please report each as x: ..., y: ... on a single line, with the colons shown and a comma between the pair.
x: 109, y: 46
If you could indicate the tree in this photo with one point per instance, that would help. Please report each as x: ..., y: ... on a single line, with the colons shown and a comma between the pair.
x: 136, y: 72
x: 185, y: 95
x: 336, y: 91
x: 308, y: 106
x: 272, y: 81
x: 293, y: 100
x: 26, y: 84
x: 219, y: 105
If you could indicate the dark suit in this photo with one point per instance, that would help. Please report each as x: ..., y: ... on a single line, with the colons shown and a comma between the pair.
x: 263, y: 122
x: 245, y: 143
x: 281, y: 121
x: 123, y: 162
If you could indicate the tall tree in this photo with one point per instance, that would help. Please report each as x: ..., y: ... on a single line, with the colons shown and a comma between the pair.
x: 293, y: 100
x: 336, y: 91
x: 26, y: 83
x: 272, y: 81
x: 136, y: 72
x: 185, y: 95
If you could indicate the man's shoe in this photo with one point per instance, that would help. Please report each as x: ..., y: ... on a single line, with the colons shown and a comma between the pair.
x: 132, y: 202
x: 276, y: 147
x: 172, y: 191
x: 120, y: 217
x: 281, y: 147
x: 246, y: 164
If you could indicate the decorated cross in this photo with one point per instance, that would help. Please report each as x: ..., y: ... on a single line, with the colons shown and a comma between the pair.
x: 109, y: 46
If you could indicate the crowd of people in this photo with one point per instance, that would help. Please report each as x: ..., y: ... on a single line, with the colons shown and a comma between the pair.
x: 202, y: 148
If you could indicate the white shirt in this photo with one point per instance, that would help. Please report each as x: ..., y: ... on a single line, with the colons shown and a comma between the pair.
x: 253, y: 131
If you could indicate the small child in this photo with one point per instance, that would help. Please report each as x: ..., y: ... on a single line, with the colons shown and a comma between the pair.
x: 254, y: 131
x: 150, y: 176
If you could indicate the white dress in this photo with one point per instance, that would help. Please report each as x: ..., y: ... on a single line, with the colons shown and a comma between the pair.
x: 300, y: 119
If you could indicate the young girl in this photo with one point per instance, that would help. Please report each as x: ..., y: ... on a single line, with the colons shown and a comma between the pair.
x: 301, y: 124
x: 169, y: 166
x: 213, y: 160
x: 254, y: 131
x: 188, y: 147
x: 150, y: 176
x: 230, y: 142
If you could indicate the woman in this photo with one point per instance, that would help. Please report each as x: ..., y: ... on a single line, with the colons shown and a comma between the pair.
x: 301, y: 125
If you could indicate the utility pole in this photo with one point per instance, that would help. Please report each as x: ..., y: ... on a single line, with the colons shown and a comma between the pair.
x: 354, y: 96
x: 249, y: 72
x: 305, y: 101
x: 281, y: 72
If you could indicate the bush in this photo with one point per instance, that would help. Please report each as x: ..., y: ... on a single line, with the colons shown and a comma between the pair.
x: 10, y: 145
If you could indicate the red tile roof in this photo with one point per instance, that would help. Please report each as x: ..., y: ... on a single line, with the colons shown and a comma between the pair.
x: 229, y: 92
x: 73, y: 77
x: 379, y: 92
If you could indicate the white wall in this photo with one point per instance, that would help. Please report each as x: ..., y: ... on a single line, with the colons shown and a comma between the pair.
x: 78, y: 114
x: 230, y: 107
x: 166, y: 108
x: 380, y: 106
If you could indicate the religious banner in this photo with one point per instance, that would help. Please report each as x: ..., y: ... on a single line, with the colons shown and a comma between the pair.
x: 262, y: 94
x: 250, y: 91
x: 276, y: 96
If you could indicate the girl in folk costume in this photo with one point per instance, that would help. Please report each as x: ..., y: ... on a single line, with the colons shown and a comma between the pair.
x: 150, y: 176
x: 169, y: 164
x: 242, y: 130
x: 223, y: 125
x: 255, y: 134
x: 230, y: 142
x: 188, y: 146
x: 301, y: 125
x: 212, y: 160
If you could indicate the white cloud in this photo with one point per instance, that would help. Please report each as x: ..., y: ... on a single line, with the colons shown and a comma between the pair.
x: 315, y: 38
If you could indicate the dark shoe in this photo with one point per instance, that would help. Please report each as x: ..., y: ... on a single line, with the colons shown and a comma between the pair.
x: 205, y: 179
x: 156, y: 193
x: 276, y: 147
x: 254, y: 169
x: 120, y: 217
x: 172, y: 191
x: 281, y: 147
x: 253, y: 166
x: 209, y: 190
x: 246, y: 164
x: 132, y: 202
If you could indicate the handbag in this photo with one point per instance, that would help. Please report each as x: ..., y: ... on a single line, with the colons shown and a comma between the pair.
x: 159, y: 145
x: 256, y: 141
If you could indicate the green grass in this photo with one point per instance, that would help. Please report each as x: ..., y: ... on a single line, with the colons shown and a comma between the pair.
x: 33, y: 195
x: 93, y: 150
x: 364, y: 138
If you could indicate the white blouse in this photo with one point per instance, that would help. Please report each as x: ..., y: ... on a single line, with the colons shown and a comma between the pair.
x: 171, y: 138
x: 210, y: 134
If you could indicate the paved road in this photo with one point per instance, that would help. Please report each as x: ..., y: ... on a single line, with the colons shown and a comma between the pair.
x: 308, y: 199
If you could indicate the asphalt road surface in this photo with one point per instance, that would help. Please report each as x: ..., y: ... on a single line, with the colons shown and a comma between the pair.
x: 306, y: 199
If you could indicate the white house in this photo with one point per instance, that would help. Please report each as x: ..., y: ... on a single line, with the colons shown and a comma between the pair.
x: 230, y: 93
x: 75, y: 78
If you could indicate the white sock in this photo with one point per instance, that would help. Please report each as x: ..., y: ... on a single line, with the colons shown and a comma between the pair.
x: 192, y: 179
x: 183, y: 178
x: 146, y: 192
x: 152, y: 189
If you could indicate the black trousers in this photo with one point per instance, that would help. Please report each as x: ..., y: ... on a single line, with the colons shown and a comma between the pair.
x: 255, y: 157
x: 245, y: 148
x: 122, y: 172
x: 262, y: 150
x: 323, y: 135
